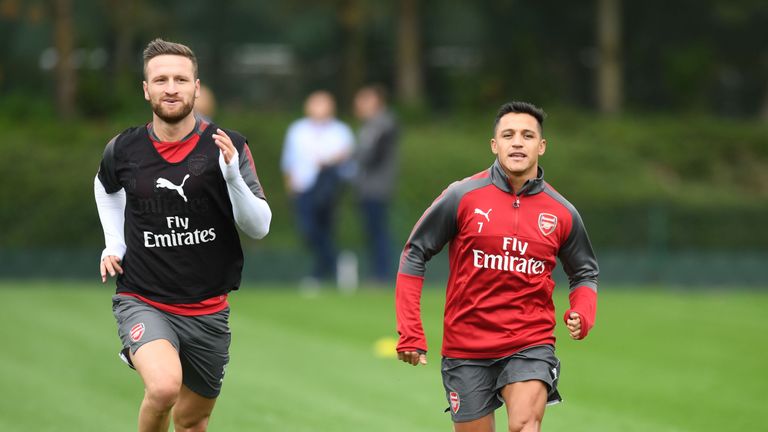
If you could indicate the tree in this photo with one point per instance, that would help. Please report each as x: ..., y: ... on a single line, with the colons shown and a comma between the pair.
x: 123, y: 16
x: 764, y: 104
x: 64, y: 40
x: 410, y: 85
x: 609, y: 70
x: 352, y: 17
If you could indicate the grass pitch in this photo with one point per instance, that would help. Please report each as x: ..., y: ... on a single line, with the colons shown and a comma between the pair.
x: 658, y: 359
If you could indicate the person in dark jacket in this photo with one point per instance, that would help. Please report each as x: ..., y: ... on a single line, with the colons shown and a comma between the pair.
x: 377, y: 168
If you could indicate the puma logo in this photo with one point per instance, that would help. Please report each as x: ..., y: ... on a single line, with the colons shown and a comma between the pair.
x: 484, y: 214
x: 163, y: 183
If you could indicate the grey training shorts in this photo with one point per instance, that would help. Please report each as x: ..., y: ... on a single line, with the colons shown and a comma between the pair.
x: 473, y: 386
x: 202, y: 341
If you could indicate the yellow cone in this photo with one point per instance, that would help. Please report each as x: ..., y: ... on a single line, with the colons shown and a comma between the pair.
x: 385, y: 347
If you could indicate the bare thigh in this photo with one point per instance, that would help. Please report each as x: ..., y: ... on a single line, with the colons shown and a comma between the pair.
x: 158, y: 364
x: 525, y: 401
x: 483, y: 424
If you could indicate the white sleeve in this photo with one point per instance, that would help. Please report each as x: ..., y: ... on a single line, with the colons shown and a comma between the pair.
x: 252, y: 214
x: 112, y: 215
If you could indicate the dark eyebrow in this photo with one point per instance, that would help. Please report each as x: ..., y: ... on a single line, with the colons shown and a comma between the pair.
x: 516, y: 130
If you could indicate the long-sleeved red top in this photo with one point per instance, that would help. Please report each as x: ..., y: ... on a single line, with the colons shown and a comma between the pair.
x: 503, y: 248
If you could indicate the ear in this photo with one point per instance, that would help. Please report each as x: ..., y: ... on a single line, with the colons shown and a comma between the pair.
x: 197, y: 88
x: 542, y: 146
x: 146, y: 93
x: 494, y: 146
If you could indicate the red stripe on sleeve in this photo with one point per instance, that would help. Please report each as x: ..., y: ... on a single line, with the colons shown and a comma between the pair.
x: 583, y: 302
x: 408, y: 311
x: 248, y: 155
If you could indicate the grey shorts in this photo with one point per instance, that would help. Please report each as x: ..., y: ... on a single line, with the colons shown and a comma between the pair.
x: 201, y: 341
x: 473, y: 386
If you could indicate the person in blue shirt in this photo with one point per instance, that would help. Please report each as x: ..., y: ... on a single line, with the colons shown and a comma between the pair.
x: 315, y: 149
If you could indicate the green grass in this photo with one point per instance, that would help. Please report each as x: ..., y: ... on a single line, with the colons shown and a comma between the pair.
x: 658, y: 360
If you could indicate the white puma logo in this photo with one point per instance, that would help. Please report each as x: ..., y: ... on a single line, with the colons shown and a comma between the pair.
x: 485, y: 214
x: 163, y: 183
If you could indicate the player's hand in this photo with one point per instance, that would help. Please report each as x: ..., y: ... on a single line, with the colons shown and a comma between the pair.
x: 228, y: 156
x: 574, y: 325
x: 110, y: 264
x: 224, y: 143
x: 413, y: 357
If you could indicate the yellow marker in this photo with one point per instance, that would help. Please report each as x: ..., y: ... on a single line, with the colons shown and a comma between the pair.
x: 385, y: 347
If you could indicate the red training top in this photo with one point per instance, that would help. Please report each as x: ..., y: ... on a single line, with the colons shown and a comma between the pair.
x: 503, y: 248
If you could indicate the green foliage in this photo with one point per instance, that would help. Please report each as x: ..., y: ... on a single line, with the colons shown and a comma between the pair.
x: 701, y: 177
x: 697, y: 175
x: 694, y: 56
x: 18, y: 106
x: 97, y: 95
x: 47, y: 187
x: 308, y: 364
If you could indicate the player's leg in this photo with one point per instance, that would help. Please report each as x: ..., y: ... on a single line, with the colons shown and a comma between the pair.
x: 151, y: 343
x: 157, y: 362
x: 527, y: 383
x: 192, y: 411
x: 204, y: 358
x: 470, y: 388
x: 525, y: 403
x: 483, y: 424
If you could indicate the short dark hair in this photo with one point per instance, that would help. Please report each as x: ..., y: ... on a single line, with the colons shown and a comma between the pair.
x: 520, y: 107
x: 160, y: 47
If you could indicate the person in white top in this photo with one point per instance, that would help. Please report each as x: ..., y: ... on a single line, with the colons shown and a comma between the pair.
x: 315, y: 149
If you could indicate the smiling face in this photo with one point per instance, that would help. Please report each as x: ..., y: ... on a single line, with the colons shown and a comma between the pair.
x: 517, y: 143
x: 171, y: 87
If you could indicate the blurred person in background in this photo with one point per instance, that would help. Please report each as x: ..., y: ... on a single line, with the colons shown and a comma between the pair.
x: 376, y: 162
x: 506, y: 226
x: 205, y: 105
x: 316, y: 148
x: 170, y: 196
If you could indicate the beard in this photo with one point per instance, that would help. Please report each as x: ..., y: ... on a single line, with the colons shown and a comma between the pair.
x: 172, y: 117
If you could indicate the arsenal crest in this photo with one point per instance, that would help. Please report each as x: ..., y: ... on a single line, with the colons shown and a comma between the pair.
x: 455, y: 402
x: 137, y: 331
x: 547, y: 223
x: 197, y: 164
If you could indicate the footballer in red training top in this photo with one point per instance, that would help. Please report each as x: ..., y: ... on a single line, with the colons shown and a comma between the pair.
x: 505, y: 227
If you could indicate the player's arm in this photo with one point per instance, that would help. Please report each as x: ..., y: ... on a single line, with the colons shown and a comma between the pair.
x: 110, y: 202
x: 580, y: 265
x: 249, y: 205
x: 435, y: 228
